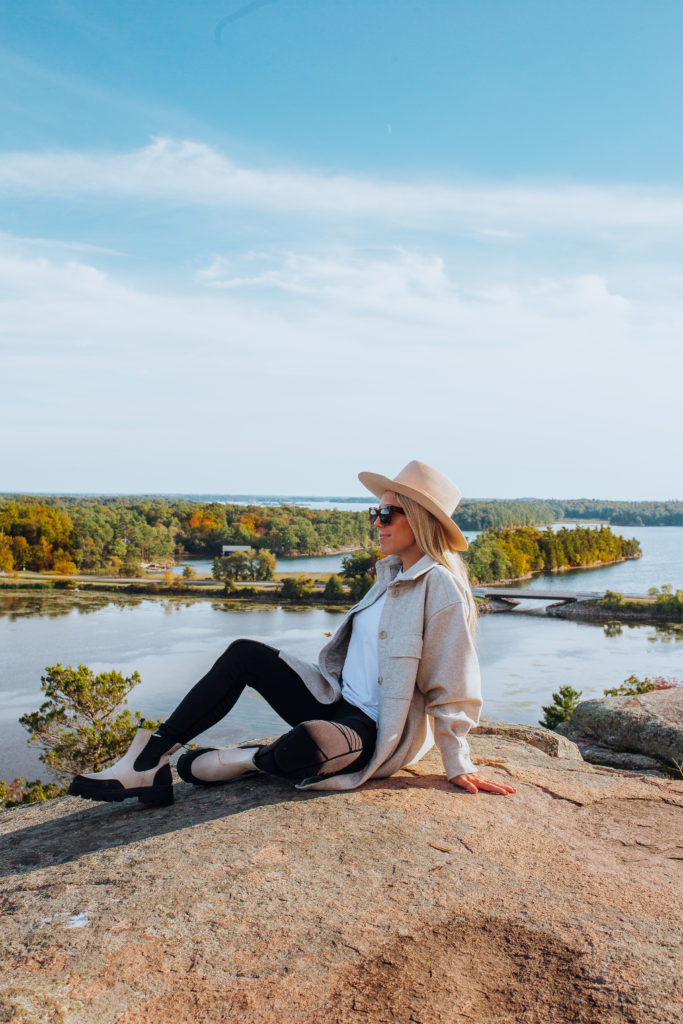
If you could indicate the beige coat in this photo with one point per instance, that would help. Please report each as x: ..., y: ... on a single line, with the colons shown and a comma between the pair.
x: 427, y: 667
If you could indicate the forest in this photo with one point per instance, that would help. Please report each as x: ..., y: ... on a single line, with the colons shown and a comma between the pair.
x: 509, y: 554
x: 622, y: 513
x: 498, y: 513
x: 118, y: 534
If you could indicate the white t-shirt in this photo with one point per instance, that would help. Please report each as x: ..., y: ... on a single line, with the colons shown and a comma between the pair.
x: 361, y: 666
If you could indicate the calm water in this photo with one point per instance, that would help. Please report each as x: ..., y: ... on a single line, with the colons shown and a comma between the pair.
x: 312, y: 565
x: 172, y: 643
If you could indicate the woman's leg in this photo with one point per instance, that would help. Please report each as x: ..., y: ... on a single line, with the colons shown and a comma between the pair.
x: 144, y: 772
x: 244, y: 663
x: 342, y: 743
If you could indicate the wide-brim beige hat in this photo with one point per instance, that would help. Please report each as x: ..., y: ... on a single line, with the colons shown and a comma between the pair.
x: 429, y: 488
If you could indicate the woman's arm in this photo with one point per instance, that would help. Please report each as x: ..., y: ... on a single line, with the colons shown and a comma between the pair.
x: 450, y: 680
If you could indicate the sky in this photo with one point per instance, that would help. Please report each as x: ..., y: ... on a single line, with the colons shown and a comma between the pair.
x: 257, y: 247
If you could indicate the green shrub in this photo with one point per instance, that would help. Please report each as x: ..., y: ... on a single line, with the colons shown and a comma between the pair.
x: 294, y: 588
x: 20, y: 791
x: 83, y: 726
x: 78, y: 725
x: 359, y: 586
x: 334, y: 589
x: 564, y: 702
x: 634, y: 685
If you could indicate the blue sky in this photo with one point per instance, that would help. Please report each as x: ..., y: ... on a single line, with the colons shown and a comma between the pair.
x: 256, y: 247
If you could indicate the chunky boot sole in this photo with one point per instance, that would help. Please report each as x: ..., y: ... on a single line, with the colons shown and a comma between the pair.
x: 184, y: 769
x: 159, y: 794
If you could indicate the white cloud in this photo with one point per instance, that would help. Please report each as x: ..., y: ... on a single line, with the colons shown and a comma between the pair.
x: 194, y: 173
x: 268, y: 368
x: 25, y: 243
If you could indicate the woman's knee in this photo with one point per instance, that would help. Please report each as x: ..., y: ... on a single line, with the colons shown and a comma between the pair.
x: 315, y: 747
x: 242, y: 647
x: 247, y: 653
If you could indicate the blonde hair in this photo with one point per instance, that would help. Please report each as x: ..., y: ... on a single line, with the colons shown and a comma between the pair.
x: 431, y: 537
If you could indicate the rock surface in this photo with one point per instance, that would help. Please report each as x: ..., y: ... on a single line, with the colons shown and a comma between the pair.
x: 405, y: 902
x: 550, y: 742
x: 597, y: 753
x: 644, y: 723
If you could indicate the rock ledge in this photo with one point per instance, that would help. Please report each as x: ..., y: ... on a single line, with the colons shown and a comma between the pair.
x: 404, y: 901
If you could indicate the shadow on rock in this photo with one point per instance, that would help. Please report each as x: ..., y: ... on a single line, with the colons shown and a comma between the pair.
x: 97, y: 827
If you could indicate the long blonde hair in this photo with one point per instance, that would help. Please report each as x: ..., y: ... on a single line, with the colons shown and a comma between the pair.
x: 431, y: 537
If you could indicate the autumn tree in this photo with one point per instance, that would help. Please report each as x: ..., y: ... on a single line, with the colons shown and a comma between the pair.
x: 264, y: 564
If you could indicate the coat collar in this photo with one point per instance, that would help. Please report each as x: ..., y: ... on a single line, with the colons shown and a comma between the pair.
x: 388, y: 568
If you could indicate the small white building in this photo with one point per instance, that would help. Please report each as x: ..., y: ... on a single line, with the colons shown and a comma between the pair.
x: 227, y: 549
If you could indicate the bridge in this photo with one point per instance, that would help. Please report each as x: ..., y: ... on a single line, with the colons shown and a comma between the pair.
x: 524, y: 593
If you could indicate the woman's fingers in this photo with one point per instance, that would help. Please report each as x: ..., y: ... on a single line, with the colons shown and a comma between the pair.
x: 465, y: 784
x: 495, y: 787
x: 472, y: 783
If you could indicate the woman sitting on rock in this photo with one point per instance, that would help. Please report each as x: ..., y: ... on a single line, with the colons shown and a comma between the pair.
x: 404, y: 655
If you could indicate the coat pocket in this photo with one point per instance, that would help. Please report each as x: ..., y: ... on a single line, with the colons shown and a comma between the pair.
x: 407, y: 645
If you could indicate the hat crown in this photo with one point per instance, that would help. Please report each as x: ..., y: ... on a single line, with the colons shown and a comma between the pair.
x: 430, y: 482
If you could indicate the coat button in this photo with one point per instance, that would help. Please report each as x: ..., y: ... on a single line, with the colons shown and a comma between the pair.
x: 379, y: 680
x: 382, y: 634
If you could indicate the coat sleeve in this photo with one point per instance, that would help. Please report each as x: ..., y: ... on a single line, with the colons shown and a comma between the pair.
x: 450, y: 680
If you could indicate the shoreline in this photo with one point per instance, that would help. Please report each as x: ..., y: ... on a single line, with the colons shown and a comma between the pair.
x: 560, y: 568
x: 268, y: 593
x: 588, y: 611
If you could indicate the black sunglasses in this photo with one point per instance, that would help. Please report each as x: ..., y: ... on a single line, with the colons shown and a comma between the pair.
x: 385, y: 513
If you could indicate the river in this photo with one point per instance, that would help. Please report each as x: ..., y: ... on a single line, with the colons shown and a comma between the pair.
x: 171, y: 642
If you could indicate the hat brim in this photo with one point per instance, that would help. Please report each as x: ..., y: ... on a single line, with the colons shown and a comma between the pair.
x: 378, y: 484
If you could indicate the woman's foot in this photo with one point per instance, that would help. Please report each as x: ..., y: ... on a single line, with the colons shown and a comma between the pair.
x: 208, y: 766
x: 143, y: 771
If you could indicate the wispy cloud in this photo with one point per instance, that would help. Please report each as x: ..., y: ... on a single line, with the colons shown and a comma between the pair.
x: 194, y: 173
x: 26, y: 242
x: 297, y: 341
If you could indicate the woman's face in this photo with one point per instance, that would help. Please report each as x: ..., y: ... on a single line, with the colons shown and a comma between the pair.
x: 397, y: 538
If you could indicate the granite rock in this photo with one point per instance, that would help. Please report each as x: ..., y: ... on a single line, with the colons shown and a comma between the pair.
x: 407, y: 900
x: 597, y: 753
x: 550, y: 742
x: 644, y: 723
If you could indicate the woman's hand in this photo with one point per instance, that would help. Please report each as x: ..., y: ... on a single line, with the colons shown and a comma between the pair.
x: 472, y: 782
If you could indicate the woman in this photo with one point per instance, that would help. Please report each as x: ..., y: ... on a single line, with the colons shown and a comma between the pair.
x: 403, y: 655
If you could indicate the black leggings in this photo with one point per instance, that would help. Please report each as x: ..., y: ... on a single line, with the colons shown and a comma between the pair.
x: 326, y: 739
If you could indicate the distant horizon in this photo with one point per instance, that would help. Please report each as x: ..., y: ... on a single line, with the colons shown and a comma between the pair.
x: 286, y: 497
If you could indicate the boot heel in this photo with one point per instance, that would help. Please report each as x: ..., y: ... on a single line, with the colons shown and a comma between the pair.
x: 160, y: 793
x: 160, y: 796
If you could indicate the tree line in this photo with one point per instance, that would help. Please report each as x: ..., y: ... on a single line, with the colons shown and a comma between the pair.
x: 622, y: 513
x: 500, y: 513
x: 116, y: 535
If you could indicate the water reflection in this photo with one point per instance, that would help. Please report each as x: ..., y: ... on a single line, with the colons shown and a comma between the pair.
x: 654, y: 633
x: 54, y: 606
x: 612, y: 629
